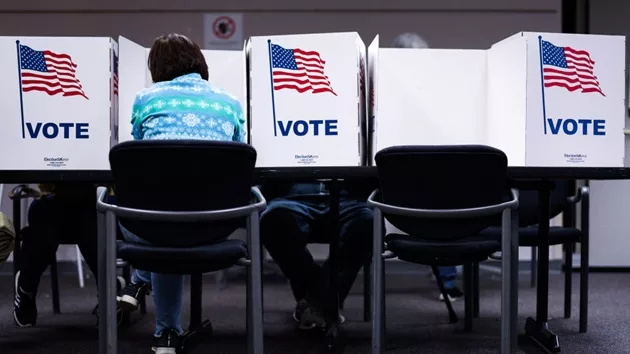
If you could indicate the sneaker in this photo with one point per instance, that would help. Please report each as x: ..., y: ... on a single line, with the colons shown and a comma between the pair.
x: 167, y: 343
x: 453, y: 294
x: 129, y: 297
x: 302, y: 306
x: 312, y: 318
x: 24, y: 306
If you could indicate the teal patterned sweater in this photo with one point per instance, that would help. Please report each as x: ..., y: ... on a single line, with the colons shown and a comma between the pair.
x: 187, y: 107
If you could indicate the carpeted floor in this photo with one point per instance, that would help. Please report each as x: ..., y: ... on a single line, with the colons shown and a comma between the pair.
x: 416, y: 321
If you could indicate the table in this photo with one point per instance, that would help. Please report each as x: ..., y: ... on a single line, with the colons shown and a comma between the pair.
x: 522, y: 177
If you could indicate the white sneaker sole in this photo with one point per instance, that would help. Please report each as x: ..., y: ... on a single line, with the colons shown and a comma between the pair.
x: 165, y: 350
x: 342, y: 319
x: 20, y: 324
x: 452, y: 299
x: 128, y: 303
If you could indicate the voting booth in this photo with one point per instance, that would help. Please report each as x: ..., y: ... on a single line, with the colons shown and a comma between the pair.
x: 59, y: 102
x: 306, y: 99
x: 426, y: 96
x: 226, y: 72
x: 557, y: 100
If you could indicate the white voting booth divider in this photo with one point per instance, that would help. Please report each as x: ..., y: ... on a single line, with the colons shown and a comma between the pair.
x: 306, y: 98
x: 553, y: 101
x: 558, y: 99
x: 426, y: 96
x: 60, y: 100
x: 226, y: 71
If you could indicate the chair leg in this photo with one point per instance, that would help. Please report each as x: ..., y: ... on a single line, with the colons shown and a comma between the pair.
x: 533, y: 268
x: 568, y: 270
x: 195, y: 302
x: 452, y: 316
x: 584, y: 260
x: 80, y: 267
x: 367, y: 293
x: 475, y: 269
x: 54, y: 284
x: 468, y: 297
x: 378, y: 286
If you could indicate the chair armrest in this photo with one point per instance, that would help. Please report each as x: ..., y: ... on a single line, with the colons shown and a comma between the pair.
x: 581, y: 192
x: 444, y: 213
x: 181, y: 216
x: 23, y: 191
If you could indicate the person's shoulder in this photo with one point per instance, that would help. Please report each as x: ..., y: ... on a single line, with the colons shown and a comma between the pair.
x: 146, y: 93
x: 224, y: 95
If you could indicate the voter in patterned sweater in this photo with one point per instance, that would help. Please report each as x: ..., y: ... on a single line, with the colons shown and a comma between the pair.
x: 180, y: 105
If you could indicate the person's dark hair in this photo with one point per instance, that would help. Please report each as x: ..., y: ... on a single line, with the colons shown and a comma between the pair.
x: 174, y: 55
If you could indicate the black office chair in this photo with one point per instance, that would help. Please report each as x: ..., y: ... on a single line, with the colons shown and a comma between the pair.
x: 560, y: 198
x: 442, y: 197
x: 186, y: 198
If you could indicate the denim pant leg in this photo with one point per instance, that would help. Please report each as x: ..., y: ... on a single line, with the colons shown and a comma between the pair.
x: 448, y: 276
x: 167, y: 292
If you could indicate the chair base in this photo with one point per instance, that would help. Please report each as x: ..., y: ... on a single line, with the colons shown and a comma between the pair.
x: 192, y: 337
x: 542, y: 336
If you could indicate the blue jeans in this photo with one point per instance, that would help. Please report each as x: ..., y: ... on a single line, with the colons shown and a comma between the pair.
x: 167, y: 290
x: 448, y: 276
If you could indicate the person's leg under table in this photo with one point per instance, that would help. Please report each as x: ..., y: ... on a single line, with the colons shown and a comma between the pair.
x: 167, y: 291
x: 39, y: 246
x: 285, y: 229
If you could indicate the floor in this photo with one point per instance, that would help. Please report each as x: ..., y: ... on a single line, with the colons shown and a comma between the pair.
x: 416, y: 321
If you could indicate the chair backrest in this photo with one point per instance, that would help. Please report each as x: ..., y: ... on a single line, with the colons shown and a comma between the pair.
x: 528, y: 203
x: 182, y: 175
x: 442, y: 177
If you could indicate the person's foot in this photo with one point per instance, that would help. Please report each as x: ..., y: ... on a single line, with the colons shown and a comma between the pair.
x: 310, y: 317
x: 300, y: 307
x: 453, y: 294
x: 129, y: 297
x: 167, y: 343
x: 120, y: 284
x: 24, y: 305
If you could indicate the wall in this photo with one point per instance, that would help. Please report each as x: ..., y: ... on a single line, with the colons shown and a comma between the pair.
x: 444, y: 23
x: 449, y: 24
x: 610, y: 200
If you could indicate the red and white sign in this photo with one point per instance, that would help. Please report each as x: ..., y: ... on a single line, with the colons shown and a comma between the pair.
x: 223, y: 31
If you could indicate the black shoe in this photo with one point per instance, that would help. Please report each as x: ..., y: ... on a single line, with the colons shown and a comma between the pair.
x: 24, y: 306
x: 119, y: 315
x: 453, y: 294
x: 120, y: 284
x: 300, y: 307
x: 129, y: 297
x: 167, y: 343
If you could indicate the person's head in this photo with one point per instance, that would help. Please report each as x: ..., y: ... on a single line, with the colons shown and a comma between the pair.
x: 174, y: 55
x: 409, y: 40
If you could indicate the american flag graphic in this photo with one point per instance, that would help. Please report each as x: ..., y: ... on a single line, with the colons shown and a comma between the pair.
x: 49, y: 72
x: 569, y: 68
x: 115, y: 79
x: 361, y: 75
x: 299, y: 70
